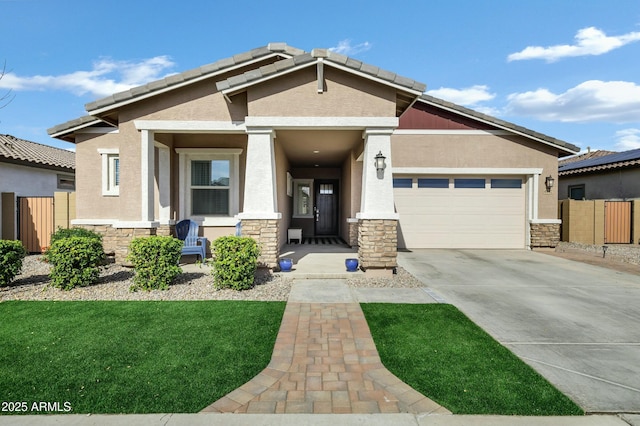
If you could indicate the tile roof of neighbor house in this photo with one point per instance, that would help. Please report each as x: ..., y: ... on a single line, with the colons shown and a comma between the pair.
x: 292, y: 57
x: 17, y: 150
x: 585, y: 156
x: 606, y: 162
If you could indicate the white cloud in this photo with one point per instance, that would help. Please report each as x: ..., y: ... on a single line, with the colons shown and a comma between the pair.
x: 106, y: 77
x: 589, y: 41
x: 627, y: 139
x: 593, y: 100
x: 344, y: 47
x: 469, y: 96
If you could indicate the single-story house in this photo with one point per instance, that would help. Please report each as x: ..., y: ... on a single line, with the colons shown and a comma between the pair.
x: 607, y: 176
x: 29, y: 169
x: 278, y: 139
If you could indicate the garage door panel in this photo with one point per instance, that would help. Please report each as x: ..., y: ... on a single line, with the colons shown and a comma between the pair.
x: 461, y: 217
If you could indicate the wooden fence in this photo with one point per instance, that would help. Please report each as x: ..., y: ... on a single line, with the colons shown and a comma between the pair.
x: 39, y: 217
x: 600, y: 221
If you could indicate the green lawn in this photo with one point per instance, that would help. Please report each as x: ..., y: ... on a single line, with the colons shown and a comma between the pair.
x: 133, y: 357
x: 442, y: 354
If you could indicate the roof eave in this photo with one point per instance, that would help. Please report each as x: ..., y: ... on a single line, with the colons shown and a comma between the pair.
x: 65, y: 133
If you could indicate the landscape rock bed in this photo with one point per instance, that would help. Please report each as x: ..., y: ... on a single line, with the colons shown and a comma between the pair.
x: 194, y: 284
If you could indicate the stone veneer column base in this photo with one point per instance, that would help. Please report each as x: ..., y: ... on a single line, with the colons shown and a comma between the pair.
x: 378, y: 245
x: 545, y: 234
x: 266, y: 233
x: 353, y: 233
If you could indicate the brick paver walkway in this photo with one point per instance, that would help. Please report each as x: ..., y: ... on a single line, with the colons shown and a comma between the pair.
x: 325, y: 361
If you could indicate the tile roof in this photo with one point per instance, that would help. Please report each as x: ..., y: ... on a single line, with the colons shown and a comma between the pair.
x: 195, y: 74
x: 566, y: 146
x: 17, y: 150
x: 312, y: 57
x: 606, y: 162
x: 291, y: 57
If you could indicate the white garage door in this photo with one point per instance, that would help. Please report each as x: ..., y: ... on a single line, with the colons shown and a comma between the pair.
x: 460, y: 212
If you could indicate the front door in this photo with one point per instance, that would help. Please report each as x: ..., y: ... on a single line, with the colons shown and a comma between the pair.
x: 326, y: 207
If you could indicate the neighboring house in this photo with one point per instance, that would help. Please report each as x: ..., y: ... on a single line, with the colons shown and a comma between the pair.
x: 613, y: 176
x: 278, y: 138
x: 29, y: 169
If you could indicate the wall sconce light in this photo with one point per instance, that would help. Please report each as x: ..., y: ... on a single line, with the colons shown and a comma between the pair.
x: 380, y: 164
x: 549, y: 181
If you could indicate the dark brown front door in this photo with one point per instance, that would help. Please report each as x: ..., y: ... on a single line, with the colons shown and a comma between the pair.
x: 326, y: 207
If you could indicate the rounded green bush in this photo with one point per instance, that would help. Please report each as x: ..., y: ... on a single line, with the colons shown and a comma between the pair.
x: 62, y: 233
x: 155, y: 260
x: 236, y: 260
x: 75, y: 261
x: 11, y: 255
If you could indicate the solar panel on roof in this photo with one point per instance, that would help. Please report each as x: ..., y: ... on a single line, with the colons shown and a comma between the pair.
x: 619, y: 157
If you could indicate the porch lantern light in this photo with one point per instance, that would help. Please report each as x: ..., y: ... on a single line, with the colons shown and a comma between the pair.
x: 380, y: 164
x: 549, y: 181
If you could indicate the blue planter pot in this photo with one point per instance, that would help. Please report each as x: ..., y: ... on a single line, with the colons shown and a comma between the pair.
x: 351, y: 264
x: 285, y: 264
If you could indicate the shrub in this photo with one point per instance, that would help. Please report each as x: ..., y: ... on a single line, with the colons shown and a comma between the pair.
x: 62, y: 233
x: 11, y: 255
x: 75, y: 261
x: 155, y: 260
x: 235, y: 262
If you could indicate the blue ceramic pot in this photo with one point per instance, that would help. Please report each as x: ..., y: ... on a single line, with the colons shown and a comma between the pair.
x: 285, y: 264
x: 351, y: 264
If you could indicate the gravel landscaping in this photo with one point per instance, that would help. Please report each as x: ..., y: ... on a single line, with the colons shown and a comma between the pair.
x: 196, y: 283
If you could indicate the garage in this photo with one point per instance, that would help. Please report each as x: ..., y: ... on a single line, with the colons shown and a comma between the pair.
x: 460, y: 211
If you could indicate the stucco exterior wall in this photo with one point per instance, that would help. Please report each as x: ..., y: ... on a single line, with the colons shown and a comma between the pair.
x: 615, y: 184
x: 344, y: 96
x: 480, y: 151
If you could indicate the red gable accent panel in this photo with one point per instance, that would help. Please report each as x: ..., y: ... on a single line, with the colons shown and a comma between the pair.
x: 422, y: 116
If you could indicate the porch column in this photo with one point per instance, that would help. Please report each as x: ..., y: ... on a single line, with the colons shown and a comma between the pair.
x: 147, y: 162
x: 164, y: 184
x: 377, y: 219
x: 259, y: 217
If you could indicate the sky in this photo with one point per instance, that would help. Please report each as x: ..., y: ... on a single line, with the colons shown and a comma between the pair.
x: 569, y: 69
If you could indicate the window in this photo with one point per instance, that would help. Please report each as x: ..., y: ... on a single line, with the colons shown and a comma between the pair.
x: 110, y: 172
x: 468, y: 183
x: 577, y: 192
x: 506, y: 183
x: 209, y: 180
x: 326, y: 189
x: 210, y: 187
x: 303, y: 198
x: 402, y: 182
x: 433, y: 183
x: 67, y: 182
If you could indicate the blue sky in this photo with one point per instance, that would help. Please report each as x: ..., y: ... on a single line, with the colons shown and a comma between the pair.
x: 568, y: 69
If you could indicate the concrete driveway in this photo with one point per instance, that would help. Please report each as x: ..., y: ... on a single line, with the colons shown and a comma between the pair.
x: 576, y: 324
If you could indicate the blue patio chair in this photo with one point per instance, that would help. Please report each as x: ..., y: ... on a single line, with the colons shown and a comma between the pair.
x: 187, y: 231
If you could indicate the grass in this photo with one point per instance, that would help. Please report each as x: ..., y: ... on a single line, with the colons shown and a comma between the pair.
x: 133, y: 357
x: 442, y: 354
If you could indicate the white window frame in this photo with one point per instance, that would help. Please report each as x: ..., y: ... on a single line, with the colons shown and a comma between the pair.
x: 295, y: 198
x: 186, y: 156
x: 109, y: 186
